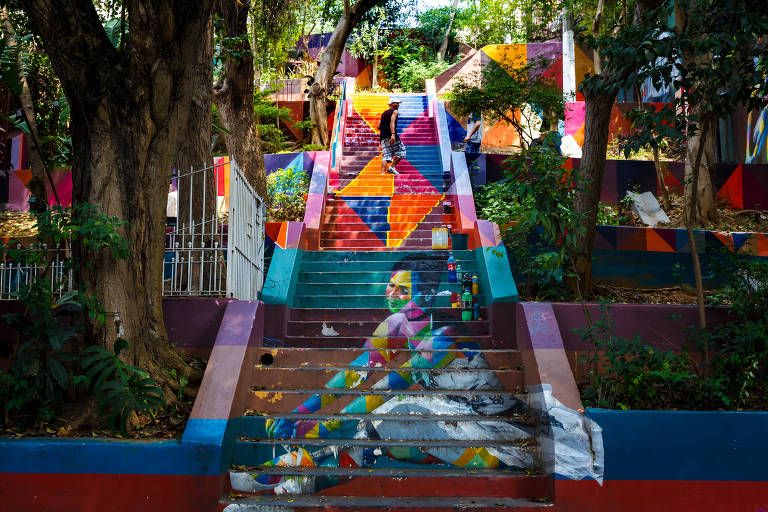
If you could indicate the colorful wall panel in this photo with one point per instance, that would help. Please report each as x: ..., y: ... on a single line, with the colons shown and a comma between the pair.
x: 507, y: 55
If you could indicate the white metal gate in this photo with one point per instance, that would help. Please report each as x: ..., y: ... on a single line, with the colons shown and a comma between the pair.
x: 245, y: 238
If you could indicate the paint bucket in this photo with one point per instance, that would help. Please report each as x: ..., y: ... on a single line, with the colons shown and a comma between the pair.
x: 459, y: 241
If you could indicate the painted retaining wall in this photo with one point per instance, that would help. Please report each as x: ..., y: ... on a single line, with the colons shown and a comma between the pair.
x: 83, y: 475
x: 653, y: 460
x: 740, y: 186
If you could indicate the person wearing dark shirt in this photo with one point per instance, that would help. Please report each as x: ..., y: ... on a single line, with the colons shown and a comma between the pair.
x: 392, y: 148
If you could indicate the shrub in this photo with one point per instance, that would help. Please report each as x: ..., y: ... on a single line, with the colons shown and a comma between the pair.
x: 287, y: 189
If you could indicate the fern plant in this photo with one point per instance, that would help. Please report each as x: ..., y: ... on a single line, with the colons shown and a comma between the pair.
x: 120, y: 388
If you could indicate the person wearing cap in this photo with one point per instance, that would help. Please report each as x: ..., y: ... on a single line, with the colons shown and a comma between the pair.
x: 392, y: 148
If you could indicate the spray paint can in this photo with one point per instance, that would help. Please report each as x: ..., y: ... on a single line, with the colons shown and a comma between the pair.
x: 475, y: 309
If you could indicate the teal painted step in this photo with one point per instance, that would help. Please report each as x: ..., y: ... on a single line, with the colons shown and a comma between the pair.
x: 361, y: 301
x: 329, y: 288
x: 381, y: 276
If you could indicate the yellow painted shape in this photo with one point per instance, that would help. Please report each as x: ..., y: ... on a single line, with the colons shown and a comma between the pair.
x: 399, y: 208
x: 370, y: 107
x: 509, y: 56
x: 265, y: 395
x: 370, y: 182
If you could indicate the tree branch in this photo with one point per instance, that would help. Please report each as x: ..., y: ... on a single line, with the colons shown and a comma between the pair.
x: 84, y: 57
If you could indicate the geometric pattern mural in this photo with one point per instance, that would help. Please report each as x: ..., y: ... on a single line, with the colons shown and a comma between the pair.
x: 390, y: 206
x: 671, y: 240
x: 499, y: 134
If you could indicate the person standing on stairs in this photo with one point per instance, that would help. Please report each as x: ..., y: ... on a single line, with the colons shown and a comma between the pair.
x: 392, y: 148
x: 474, y: 133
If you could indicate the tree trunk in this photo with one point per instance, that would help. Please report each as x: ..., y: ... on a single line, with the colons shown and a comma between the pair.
x: 129, y: 114
x: 444, y: 43
x: 197, y: 219
x: 592, y: 167
x: 661, y: 171
x: 705, y: 211
x: 692, y: 173
x: 318, y: 93
x: 233, y: 94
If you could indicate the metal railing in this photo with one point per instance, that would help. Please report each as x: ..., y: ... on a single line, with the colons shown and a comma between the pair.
x: 245, y: 250
x: 217, y: 250
x: 16, y: 275
x: 195, y: 249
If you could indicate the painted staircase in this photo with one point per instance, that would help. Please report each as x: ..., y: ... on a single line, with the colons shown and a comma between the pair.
x: 376, y: 395
x: 369, y: 211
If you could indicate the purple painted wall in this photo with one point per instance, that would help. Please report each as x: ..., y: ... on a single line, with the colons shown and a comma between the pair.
x: 651, y: 321
x: 191, y: 322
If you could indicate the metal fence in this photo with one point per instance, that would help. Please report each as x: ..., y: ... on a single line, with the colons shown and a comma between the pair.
x: 245, y: 250
x: 215, y: 250
x: 216, y: 253
x: 16, y: 275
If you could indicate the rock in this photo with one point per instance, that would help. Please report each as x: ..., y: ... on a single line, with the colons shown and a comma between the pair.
x: 648, y: 208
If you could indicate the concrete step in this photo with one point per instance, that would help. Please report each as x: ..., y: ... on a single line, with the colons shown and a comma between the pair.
x: 331, y: 225
x: 323, y: 300
x: 364, y: 245
x: 437, y: 255
x: 330, y: 234
x: 369, y: 276
x: 294, y: 503
x: 273, y: 399
x: 311, y: 378
x: 333, y: 357
x: 342, y: 327
x: 355, y: 342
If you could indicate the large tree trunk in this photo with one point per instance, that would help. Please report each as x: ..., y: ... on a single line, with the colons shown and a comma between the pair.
x: 129, y: 113
x: 197, y: 216
x: 704, y: 201
x: 318, y: 93
x: 233, y: 94
x: 592, y: 167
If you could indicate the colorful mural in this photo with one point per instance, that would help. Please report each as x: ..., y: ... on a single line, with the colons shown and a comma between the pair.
x: 375, y: 210
x: 421, y: 349
x: 500, y: 134
x: 738, y: 186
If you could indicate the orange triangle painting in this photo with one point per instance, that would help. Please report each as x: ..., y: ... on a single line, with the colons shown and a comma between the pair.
x: 654, y: 242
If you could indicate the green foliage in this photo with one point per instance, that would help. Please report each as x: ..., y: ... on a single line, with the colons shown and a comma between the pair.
x: 626, y: 373
x: 534, y: 206
x: 716, y: 62
x: 402, y: 46
x: 45, y: 365
x: 287, y: 189
x: 504, y: 87
x: 120, y: 389
x: 33, y: 389
x: 434, y: 22
x: 415, y: 72
x: 27, y: 60
x: 739, y: 363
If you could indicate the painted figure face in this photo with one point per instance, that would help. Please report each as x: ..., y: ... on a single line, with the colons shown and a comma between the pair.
x: 399, y: 290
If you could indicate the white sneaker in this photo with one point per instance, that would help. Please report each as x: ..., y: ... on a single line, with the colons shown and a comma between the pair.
x: 392, y: 170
